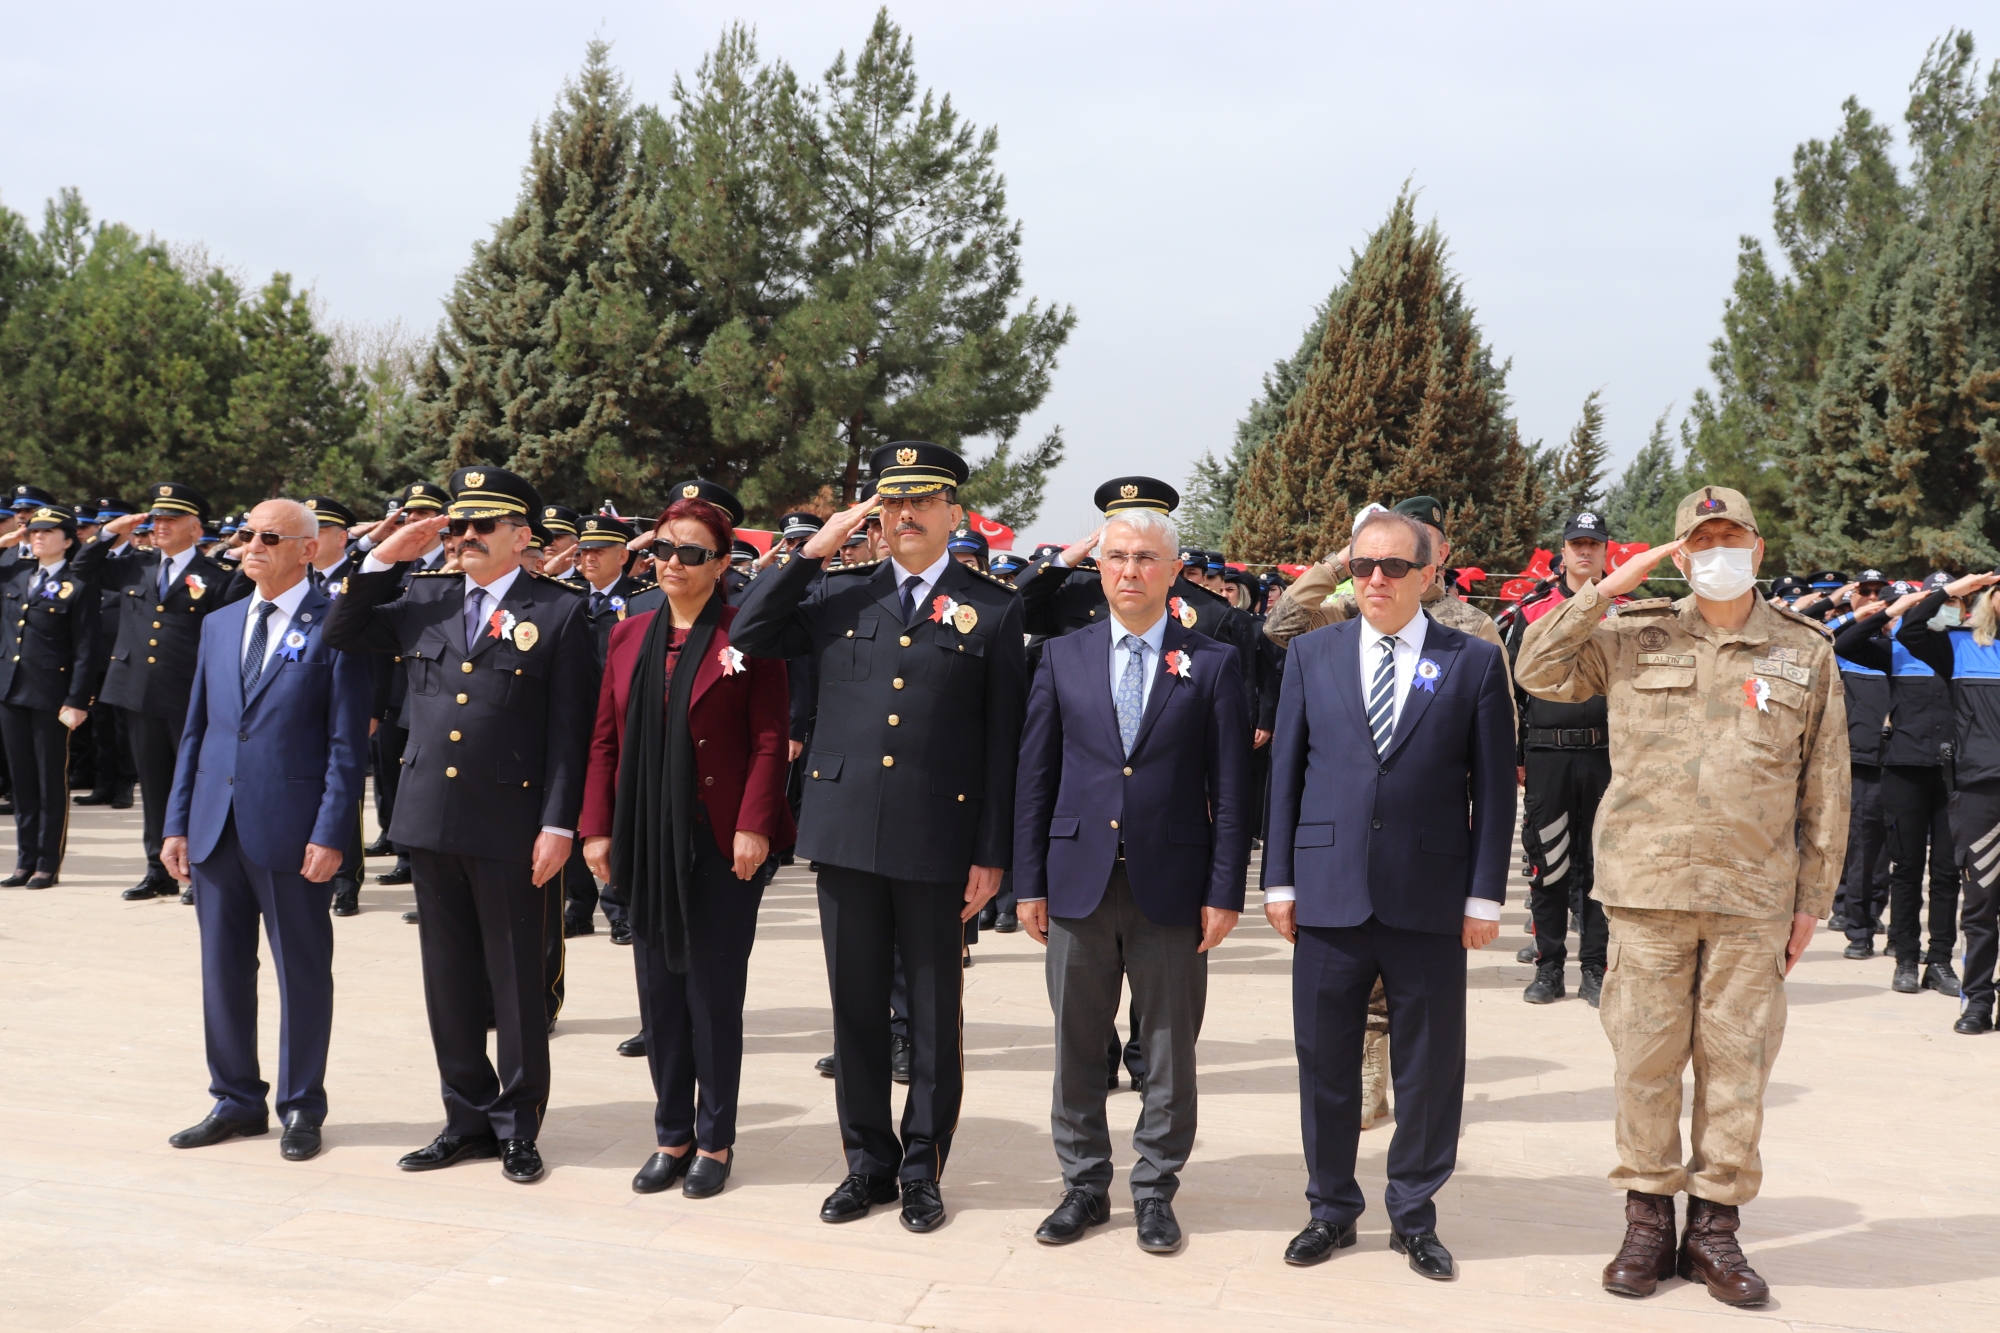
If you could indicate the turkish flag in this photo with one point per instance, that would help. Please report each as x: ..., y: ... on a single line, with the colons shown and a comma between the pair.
x: 1540, y: 567
x: 999, y: 536
x: 1617, y: 553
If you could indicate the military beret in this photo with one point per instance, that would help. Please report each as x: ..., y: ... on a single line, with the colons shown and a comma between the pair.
x: 1424, y: 509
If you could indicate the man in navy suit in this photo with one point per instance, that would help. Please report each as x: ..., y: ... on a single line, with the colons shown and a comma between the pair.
x: 268, y: 781
x: 1392, y: 815
x: 1134, y: 806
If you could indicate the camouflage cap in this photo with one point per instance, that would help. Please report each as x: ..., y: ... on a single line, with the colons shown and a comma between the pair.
x: 1712, y: 502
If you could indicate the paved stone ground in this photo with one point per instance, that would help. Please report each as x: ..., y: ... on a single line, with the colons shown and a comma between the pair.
x: 1879, y: 1147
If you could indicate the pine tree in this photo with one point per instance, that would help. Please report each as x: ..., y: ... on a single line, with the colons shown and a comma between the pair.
x: 1403, y: 399
x: 1575, y: 476
x: 291, y: 413
x: 1639, y: 506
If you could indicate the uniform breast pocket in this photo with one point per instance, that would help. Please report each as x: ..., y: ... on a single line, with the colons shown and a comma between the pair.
x: 1659, y: 696
x: 1780, y: 724
x: 849, y: 655
x: 958, y: 661
x: 525, y: 674
x: 424, y: 673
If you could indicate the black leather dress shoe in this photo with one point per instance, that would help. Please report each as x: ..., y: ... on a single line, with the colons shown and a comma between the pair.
x: 854, y: 1196
x: 923, y: 1206
x: 1976, y: 1020
x: 1318, y: 1242
x: 449, y: 1149
x: 346, y: 898
x: 20, y: 877
x: 633, y: 1045
x: 621, y: 932
x: 1159, y: 1229
x: 46, y: 879
x: 398, y: 874
x: 573, y: 927
x: 1937, y: 976
x: 1527, y: 953
x: 216, y: 1129
x: 824, y: 1065
x: 521, y: 1161
x: 92, y: 798
x: 1079, y: 1211
x: 661, y: 1170
x: 380, y: 847
x: 122, y: 799
x: 145, y: 889
x: 301, y: 1140
x: 989, y: 916
x: 1905, y: 982
x: 1859, y: 950
x: 187, y: 896
x: 1428, y: 1256
x: 410, y: 917
x: 899, y: 1059
x: 707, y: 1176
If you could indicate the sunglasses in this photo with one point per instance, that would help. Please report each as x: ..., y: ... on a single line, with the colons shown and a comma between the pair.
x: 458, y: 527
x: 1362, y: 567
x: 267, y: 538
x: 689, y: 555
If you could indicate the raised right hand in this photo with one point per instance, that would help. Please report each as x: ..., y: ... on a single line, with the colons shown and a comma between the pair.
x: 409, y: 541
x: 837, y: 530
x: 1635, y: 571
x: 1074, y: 555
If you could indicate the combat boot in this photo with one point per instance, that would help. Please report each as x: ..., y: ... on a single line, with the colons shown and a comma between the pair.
x: 1711, y: 1256
x: 1374, y: 1078
x: 1940, y: 978
x: 1547, y: 987
x: 1591, y: 989
x: 1647, y: 1256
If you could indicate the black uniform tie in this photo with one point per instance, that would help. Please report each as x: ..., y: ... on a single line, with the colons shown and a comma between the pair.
x: 910, y: 586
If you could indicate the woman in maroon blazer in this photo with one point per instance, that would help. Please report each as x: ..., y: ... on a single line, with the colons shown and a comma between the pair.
x: 683, y: 806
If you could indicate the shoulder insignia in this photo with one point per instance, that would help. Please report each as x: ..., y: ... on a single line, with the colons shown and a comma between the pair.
x: 556, y: 583
x: 437, y: 573
x: 1800, y: 618
x: 993, y: 579
x: 1649, y: 605
x: 865, y: 565
x: 643, y: 585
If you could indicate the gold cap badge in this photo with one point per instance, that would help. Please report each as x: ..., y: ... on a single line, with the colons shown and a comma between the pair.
x: 166, y: 492
x: 475, y: 479
x: 689, y: 491
x: 1128, y: 491
x: 906, y: 456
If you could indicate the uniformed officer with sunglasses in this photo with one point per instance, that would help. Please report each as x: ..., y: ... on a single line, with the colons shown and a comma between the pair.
x: 501, y: 703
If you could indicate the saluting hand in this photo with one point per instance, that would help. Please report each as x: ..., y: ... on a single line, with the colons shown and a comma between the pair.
x: 837, y: 530
x: 557, y: 565
x: 1971, y: 583
x: 1074, y: 555
x: 1635, y: 571
x: 409, y: 541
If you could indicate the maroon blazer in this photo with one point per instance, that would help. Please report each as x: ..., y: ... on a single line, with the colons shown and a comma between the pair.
x: 741, y: 723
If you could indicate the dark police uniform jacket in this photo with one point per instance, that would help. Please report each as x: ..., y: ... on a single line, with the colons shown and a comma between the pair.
x: 153, y: 661
x: 498, y: 738
x: 50, y: 656
x: 918, y: 728
x: 637, y: 594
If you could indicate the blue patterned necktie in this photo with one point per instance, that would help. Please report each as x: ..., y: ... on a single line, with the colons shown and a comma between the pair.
x: 475, y: 618
x: 260, y: 642
x: 1130, y: 701
x: 1382, y: 699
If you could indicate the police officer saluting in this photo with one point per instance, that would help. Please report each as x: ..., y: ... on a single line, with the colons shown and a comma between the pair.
x: 909, y: 801
x: 169, y: 588
x: 500, y: 707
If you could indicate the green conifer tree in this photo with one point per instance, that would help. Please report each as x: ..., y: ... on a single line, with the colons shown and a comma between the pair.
x: 1639, y: 506
x: 1574, y: 478
x: 1403, y: 399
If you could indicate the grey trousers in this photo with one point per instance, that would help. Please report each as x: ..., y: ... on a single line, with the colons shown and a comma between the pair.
x: 1088, y: 961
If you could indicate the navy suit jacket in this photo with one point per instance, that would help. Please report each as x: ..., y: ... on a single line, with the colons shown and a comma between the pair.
x: 289, y: 760
x: 1183, y: 801
x: 1410, y: 838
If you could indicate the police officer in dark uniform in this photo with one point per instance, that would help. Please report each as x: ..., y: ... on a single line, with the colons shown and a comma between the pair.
x: 500, y: 674
x: 1864, y: 879
x: 742, y: 555
x: 116, y: 777
x: 561, y: 527
x: 969, y: 548
x: 389, y: 704
x: 50, y: 665
x: 169, y: 589
x: 909, y: 801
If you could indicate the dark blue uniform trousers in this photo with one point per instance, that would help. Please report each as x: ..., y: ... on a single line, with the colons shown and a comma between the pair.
x: 230, y: 893
x: 1333, y: 971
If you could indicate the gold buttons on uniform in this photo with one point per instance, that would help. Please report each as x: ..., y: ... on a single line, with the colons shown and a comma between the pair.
x: 815, y: 772
x: 850, y: 634
x: 152, y: 643
x: 454, y: 736
x: 895, y: 721
x: 461, y: 698
x: 451, y: 772
x: 1114, y: 823
x: 466, y: 667
x: 1128, y: 772
x: 152, y: 659
x: 888, y: 761
x: 156, y: 624
x: 961, y: 796
x: 905, y: 640
x: 897, y: 682
x: 159, y: 608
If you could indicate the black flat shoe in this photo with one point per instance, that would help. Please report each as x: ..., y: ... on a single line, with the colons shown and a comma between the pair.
x: 707, y: 1176
x: 1859, y: 950
x: 899, y: 1059
x: 92, y: 798
x: 661, y: 1170
x: 122, y: 801
x: 301, y: 1140
x: 187, y: 896
x: 923, y: 1206
x: 1159, y: 1229
x: 824, y: 1065
x: 395, y: 875
x: 1428, y: 1256
x: 521, y: 1161
x: 854, y: 1196
x: 1318, y: 1242
x: 633, y: 1045
x: 16, y: 880
x: 1975, y: 1021
x: 621, y: 932
x: 347, y: 902
x: 379, y: 847
x: 572, y: 929
x: 145, y: 889
x: 1527, y: 953
x: 1079, y: 1211
x: 449, y: 1150
x: 216, y: 1129
x: 1007, y: 924
x: 1905, y: 982
x: 1937, y: 976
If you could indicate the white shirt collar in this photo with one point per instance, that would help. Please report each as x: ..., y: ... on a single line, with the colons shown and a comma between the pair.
x: 1154, y: 638
x: 177, y: 563
x: 51, y: 569
x: 1412, y: 634
x: 287, y: 601
x: 929, y: 576
x: 496, y: 590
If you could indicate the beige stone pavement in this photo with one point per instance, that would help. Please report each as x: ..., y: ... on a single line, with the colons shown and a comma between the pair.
x: 1879, y: 1211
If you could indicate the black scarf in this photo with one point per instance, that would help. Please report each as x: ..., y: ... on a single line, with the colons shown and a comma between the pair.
x: 652, y: 831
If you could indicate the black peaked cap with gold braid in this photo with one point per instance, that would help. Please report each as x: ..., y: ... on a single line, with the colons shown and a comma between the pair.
x: 331, y: 512
x: 720, y: 496
x: 173, y: 497
x: 1122, y: 493
x: 424, y: 495
x: 559, y: 521
x: 604, y: 530
x: 491, y: 492
x: 52, y: 516
x: 916, y: 467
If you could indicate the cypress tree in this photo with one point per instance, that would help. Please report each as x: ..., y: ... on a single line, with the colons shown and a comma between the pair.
x: 1403, y: 399
x: 1575, y: 478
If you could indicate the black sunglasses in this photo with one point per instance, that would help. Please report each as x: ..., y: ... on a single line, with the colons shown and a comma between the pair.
x: 267, y: 538
x: 458, y: 527
x: 690, y: 555
x: 1362, y: 567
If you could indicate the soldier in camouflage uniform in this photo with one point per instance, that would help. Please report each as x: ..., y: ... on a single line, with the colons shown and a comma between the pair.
x: 1719, y: 843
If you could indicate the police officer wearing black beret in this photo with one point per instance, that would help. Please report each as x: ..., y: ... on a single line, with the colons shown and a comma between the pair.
x: 168, y: 590
x: 50, y: 667
x: 909, y: 801
x: 501, y: 705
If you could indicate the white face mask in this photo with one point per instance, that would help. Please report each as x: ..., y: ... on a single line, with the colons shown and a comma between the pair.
x: 1722, y: 573
x: 1947, y: 617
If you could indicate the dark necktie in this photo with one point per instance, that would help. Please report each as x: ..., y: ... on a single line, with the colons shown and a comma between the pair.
x: 597, y: 603
x: 910, y: 586
x: 260, y: 640
x: 166, y: 576
x: 475, y: 618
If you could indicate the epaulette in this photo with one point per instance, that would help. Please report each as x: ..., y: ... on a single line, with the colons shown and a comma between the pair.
x: 564, y: 584
x: 853, y: 569
x: 1646, y: 606
x: 437, y: 573
x: 645, y: 585
x: 993, y: 579
x: 1801, y: 617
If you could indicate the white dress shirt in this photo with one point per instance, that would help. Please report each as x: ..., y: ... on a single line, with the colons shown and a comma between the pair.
x: 287, y: 603
x: 1409, y: 641
x: 1153, y: 639
x: 178, y: 564
x: 922, y: 595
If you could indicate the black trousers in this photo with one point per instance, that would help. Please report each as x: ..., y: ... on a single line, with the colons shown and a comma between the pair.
x: 38, y: 757
x: 388, y: 743
x: 1919, y: 820
x: 866, y: 920
x: 482, y: 929
x: 112, y: 739
x: 693, y: 1020
x: 1560, y: 803
x: 156, y: 745
x: 1864, y: 879
x: 580, y: 892
x: 1975, y: 832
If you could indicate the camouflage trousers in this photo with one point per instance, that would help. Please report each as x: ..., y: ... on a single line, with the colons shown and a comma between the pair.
x: 1700, y: 987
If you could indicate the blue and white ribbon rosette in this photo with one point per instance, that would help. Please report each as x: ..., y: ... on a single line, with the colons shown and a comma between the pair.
x: 1427, y: 675
x: 292, y: 645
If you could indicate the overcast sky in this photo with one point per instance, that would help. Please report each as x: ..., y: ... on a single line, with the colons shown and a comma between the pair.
x: 1190, y: 178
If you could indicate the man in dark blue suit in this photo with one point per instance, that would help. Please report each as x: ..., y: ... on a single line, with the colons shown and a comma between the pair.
x: 268, y: 781
x: 1392, y: 815
x: 1134, y: 807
